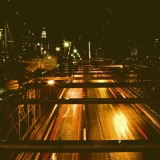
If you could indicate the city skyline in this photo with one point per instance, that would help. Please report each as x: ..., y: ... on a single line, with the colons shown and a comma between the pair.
x: 87, y: 18
x: 112, y: 24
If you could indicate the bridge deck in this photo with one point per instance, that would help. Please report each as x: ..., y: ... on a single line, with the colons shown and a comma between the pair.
x: 83, y: 101
x: 90, y: 146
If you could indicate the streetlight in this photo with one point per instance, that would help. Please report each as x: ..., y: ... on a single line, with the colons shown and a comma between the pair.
x: 75, y: 50
x: 66, y: 44
x: 50, y: 88
x: 50, y: 82
x: 58, y: 49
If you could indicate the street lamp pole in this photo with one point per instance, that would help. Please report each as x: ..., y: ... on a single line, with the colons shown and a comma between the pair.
x: 57, y: 49
x: 89, y: 52
x: 66, y: 44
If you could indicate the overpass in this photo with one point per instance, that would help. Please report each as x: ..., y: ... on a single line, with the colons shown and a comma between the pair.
x: 81, y: 146
x: 33, y: 97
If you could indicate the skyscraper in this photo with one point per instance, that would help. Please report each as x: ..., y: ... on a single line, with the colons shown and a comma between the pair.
x: 43, y: 34
x: 45, y: 45
x: 105, y: 33
x: 156, y: 46
x: 28, y: 44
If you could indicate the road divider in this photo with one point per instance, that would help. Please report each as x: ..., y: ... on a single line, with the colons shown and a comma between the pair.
x: 84, y: 134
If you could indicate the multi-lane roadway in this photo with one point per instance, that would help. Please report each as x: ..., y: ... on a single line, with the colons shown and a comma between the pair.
x: 100, y: 122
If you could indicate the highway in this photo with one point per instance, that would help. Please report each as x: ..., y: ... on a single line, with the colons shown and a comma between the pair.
x: 102, y: 122
x: 98, y: 122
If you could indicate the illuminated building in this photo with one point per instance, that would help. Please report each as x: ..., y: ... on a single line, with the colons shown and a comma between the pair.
x: 156, y: 47
x: 45, y: 44
x: 1, y: 41
x: 43, y: 34
x: 28, y: 43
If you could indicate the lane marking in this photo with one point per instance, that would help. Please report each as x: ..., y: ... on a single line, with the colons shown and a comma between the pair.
x: 66, y: 112
x: 83, y: 107
x: 84, y: 134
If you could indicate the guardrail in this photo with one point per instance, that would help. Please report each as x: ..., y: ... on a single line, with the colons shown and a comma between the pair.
x: 83, y: 101
x: 83, y: 146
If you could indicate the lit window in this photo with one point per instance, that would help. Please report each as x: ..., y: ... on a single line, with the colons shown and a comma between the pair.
x: 43, y: 34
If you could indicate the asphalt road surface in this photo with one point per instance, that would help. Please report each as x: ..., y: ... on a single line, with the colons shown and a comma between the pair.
x: 102, y: 122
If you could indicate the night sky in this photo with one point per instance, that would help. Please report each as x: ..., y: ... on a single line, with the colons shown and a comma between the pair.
x: 87, y: 18
x: 71, y: 18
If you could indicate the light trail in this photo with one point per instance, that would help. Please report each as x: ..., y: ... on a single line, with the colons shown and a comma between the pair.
x: 75, y: 111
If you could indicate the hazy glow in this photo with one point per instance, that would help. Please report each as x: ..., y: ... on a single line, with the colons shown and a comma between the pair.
x: 57, y: 48
x: 120, y: 125
x: 53, y: 156
x: 75, y: 51
x: 44, y: 63
x: 51, y: 82
x: 66, y: 44
x: 101, y: 81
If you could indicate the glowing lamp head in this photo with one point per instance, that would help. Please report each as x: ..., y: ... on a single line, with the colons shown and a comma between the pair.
x: 66, y: 44
x: 75, y: 51
x: 57, y: 48
x: 50, y: 82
